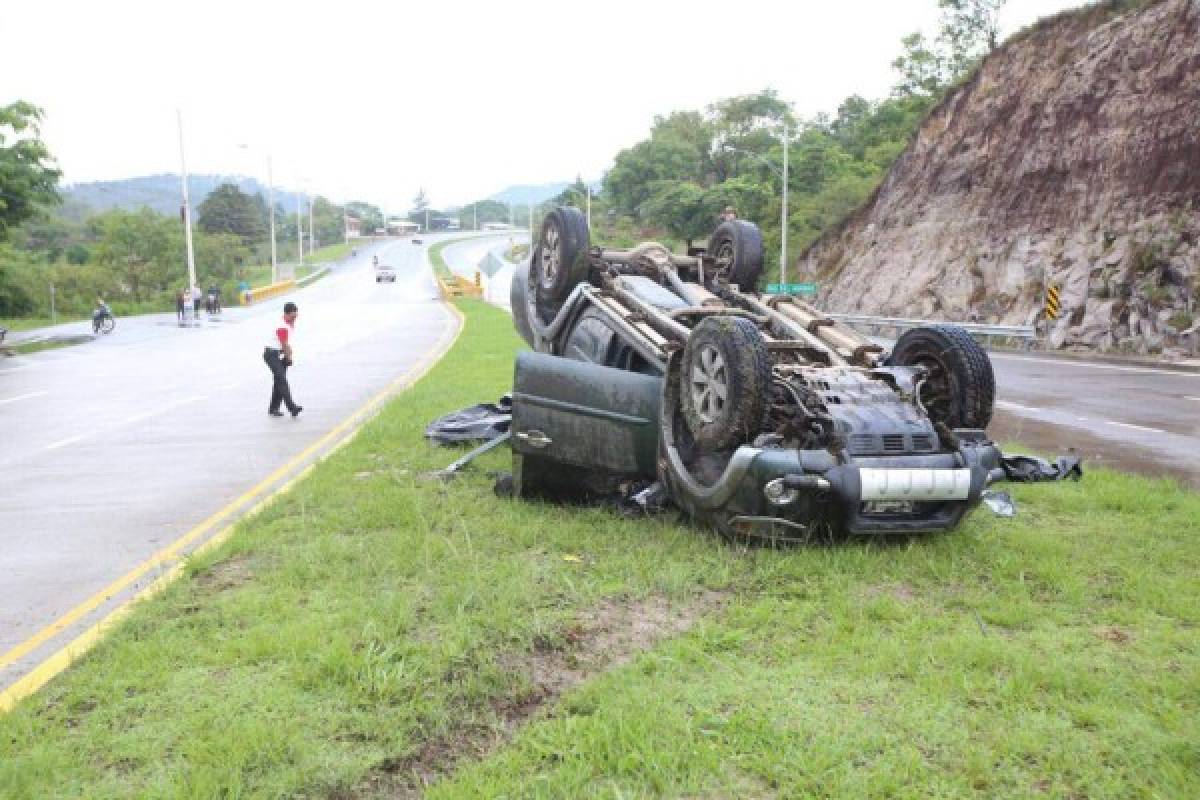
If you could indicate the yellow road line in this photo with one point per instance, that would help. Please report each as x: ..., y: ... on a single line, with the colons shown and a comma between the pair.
x: 172, y: 555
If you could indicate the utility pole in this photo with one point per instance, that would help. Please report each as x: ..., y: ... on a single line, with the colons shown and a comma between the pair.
x: 475, y: 211
x: 312, y: 232
x: 784, y: 221
x: 531, y: 220
x: 345, y: 225
x: 589, y: 206
x: 300, y: 229
x: 271, y: 202
x: 187, y: 209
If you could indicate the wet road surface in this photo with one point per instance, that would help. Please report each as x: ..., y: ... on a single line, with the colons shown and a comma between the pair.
x: 1141, y: 419
x: 114, y: 449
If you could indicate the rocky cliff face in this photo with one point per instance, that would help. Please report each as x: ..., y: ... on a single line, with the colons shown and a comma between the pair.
x: 1071, y: 158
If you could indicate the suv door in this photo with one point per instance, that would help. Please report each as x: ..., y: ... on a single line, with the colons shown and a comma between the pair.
x: 573, y: 419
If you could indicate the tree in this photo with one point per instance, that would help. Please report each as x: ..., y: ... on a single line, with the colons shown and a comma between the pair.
x: 370, y: 216
x: 229, y: 210
x: 27, y: 177
x: 144, y: 250
x: 921, y: 66
x: 969, y: 30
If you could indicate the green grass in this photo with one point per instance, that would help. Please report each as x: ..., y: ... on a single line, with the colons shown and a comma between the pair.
x: 331, y: 252
x: 371, y: 615
x: 30, y: 323
x: 440, y: 267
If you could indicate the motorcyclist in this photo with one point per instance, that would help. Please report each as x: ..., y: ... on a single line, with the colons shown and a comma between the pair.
x: 375, y: 261
x: 100, y: 312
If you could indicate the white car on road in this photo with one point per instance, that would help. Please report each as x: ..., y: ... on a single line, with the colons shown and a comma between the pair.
x: 384, y: 273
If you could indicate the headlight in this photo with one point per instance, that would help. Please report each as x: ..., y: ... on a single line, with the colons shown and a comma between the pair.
x: 778, y: 494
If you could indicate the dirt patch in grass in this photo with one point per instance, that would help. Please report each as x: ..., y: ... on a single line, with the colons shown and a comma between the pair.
x: 604, y: 637
x: 228, y: 574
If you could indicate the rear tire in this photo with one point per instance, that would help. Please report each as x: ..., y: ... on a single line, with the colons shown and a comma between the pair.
x: 960, y: 389
x: 562, y: 248
x: 737, y: 248
x: 725, y: 382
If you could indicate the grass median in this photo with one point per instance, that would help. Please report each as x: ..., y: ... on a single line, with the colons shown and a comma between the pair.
x: 376, y: 633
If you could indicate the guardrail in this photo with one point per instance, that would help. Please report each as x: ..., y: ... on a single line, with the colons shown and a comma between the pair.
x: 1025, y: 334
x: 454, y: 286
x: 252, y: 296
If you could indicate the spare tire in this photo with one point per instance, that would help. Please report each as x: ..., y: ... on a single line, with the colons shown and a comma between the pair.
x: 562, y: 249
x: 960, y: 388
x: 726, y: 382
x: 737, y: 250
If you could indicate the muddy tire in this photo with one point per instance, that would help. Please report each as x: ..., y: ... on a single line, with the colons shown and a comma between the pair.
x: 562, y: 249
x: 725, y: 382
x: 961, y: 388
x: 737, y: 248
x: 518, y: 301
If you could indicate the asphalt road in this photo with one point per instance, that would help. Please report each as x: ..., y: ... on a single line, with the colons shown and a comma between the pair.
x: 463, y: 258
x: 1136, y: 418
x: 114, y: 449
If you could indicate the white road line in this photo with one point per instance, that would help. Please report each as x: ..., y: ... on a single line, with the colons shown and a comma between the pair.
x: 22, y: 397
x: 1134, y: 427
x: 1197, y: 399
x: 1009, y: 404
x: 65, y: 442
x: 1089, y: 365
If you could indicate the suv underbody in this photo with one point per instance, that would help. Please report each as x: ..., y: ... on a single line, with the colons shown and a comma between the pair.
x: 759, y: 415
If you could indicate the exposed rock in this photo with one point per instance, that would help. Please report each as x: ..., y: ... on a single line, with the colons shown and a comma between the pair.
x: 1072, y: 158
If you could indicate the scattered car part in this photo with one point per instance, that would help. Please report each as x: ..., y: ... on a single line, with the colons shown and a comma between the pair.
x: 1000, y: 503
x: 478, y: 423
x: 1030, y: 469
x: 459, y: 464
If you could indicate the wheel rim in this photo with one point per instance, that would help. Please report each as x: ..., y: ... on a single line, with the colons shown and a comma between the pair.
x: 551, y: 259
x: 936, y: 394
x: 723, y: 256
x: 710, y: 384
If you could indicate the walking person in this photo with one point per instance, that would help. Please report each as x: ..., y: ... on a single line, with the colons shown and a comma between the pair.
x: 179, y: 306
x: 196, y: 295
x: 278, y: 355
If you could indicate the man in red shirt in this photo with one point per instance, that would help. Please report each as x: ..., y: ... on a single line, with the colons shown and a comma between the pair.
x: 278, y: 355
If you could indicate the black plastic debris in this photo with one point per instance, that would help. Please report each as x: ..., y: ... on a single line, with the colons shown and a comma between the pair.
x: 478, y: 423
x: 1029, y: 469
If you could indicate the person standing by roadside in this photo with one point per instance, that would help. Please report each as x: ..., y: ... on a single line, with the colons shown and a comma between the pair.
x: 196, y: 295
x: 278, y: 356
x: 179, y: 306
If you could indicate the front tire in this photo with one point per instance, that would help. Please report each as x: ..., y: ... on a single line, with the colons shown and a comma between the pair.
x: 725, y: 382
x: 960, y: 388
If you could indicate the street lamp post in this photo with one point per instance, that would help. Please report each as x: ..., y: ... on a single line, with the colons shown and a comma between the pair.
x: 187, y: 209
x: 300, y: 229
x: 783, y: 222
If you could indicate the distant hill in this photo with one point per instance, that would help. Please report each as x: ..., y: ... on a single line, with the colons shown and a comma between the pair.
x: 162, y: 193
x: 526, y: 194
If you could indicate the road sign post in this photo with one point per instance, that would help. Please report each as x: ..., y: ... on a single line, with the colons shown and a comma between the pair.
x: 1053, y: 302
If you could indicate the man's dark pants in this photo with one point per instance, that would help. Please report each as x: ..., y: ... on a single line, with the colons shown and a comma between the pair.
x: 280, y: 391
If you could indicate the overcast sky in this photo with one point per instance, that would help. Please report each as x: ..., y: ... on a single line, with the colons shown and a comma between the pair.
x: 373, y: 100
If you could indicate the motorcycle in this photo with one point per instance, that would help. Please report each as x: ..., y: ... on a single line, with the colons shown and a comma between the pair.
x: 103, y: 321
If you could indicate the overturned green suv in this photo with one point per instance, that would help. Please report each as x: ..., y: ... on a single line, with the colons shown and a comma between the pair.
x: 758, y: 414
